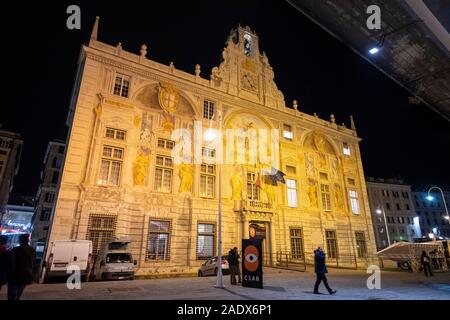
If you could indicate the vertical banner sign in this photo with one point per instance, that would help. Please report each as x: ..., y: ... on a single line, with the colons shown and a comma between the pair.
x: 252, y: 263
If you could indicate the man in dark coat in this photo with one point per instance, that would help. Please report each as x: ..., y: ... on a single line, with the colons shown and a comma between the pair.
x: 232, y: 265
x: 425, y: 261
x: 6, y: 261
x: 22, y: 274
x: 321, y: 269
x: 238, y: 269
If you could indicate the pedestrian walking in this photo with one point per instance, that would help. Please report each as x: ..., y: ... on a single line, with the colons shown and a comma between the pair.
x: 22, y: 273
x: 320, y: 268
x: 232, y: 265
x: 6, y: 261
x: 238, y: 269
x: 425, y: 262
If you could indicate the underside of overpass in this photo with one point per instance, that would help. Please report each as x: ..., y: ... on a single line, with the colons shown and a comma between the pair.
x: 413, y: 41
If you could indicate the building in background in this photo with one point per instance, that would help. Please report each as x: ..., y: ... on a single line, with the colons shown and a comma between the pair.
x: 391, y: 204
x: 432, y: 214
x: 120, y: 177
x: 16, y: 221
x: 45, y: 197
x: 10, y: 153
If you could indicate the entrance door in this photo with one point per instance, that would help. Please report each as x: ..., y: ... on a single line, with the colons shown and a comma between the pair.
x: 258, y: 230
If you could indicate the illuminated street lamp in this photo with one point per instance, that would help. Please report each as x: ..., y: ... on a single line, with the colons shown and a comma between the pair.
x: 210, y: 135
x: 379, y: 211
x: 430, y: 198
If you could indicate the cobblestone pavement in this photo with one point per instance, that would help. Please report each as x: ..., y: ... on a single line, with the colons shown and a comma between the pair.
x: 278, y: 284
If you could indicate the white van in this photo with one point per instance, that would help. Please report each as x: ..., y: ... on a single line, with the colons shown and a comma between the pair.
x: 114, y: 261
x: 65, y: 253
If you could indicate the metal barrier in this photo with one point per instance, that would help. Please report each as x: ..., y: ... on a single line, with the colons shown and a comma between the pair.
x: 285, y: 260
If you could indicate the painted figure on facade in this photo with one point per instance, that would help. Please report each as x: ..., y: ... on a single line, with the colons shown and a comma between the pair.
x: 140, y: 169
x: 338, y: 196
x: 236, y: 184
x: 312, y: 193
x: 186, y: 175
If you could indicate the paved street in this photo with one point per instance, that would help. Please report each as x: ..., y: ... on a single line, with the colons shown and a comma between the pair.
x: 279, y: 284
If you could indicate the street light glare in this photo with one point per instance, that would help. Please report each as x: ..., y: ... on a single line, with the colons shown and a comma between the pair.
x: 378, y: 211
x: 430, y: 198
x: 210, y: 135
x: 374, y: 50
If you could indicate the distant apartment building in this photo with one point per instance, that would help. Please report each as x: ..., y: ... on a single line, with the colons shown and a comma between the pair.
x: 392, y: 208
x: 45, y: 197
x: 10, y: 152
x: 432, y: 214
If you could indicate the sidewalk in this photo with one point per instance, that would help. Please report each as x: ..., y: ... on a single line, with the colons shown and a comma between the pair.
x: 278, y: 284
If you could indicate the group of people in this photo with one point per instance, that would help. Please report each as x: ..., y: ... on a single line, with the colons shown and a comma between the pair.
x: 16, y: 266
x: 320, y: 269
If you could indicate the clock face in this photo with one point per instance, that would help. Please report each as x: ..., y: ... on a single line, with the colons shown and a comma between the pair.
x: 249, y: 82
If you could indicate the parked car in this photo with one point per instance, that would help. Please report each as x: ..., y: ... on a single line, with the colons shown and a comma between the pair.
x: 65, y: 253
x: 114, y: 261
x: 209, y: 267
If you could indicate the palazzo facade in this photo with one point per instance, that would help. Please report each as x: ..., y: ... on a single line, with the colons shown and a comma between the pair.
x: 120, y: 177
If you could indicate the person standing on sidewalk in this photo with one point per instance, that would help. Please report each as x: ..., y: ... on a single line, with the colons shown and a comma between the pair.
x: 22, y: 273
x: 321, y: 269
x: 238, y: 269
x: 232, y: 265
x: 425, y: 262
x: 6, y: 261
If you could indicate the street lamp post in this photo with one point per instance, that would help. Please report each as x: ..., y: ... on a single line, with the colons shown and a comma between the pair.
x: 379, y: 211
x: 211, y: 135
x: 219, y: 282
x: 430, y: 198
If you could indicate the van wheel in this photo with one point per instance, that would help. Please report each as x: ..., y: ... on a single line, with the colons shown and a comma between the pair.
x: 200, y: 274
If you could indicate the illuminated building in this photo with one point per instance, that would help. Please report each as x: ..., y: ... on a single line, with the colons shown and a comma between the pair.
x: 120, y: 177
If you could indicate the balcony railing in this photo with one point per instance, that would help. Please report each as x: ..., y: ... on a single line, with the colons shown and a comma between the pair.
x: 253, y: 205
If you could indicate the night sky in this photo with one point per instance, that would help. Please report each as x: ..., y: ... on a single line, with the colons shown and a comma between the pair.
x: 399, y: 139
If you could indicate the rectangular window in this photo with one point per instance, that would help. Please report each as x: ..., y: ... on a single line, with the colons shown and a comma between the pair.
x: 205, y: 241
x: 407, y: 206
x: 61, y: 149
x: 323, y: 176
x: 1, y: 166
x: 397, y: 205
x: 165, y: 144
x: 252, y: 188
x: 111, y: 166
x: 388, y: 206
x: 287, y: 132
x: 354, y: 201
x: 345, y: 149
x: 55, y: 177
x: 101, y: 229
x: 351, y: 182
x: 158, y: 240
x: 296, y: 243
x: 207, y: 180
x: 361, y: 244
x: 45, y: 214
x: 208, y: 153
x: 326, y: 197
x: 163, y: 174
x: 291, y: 169
x: 122, y: 85
x: 49, y: 197
x: 115, y: 134
x: 208, y: 109
x: 291, y: 186
x: 332, y: 249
